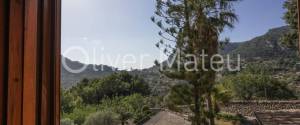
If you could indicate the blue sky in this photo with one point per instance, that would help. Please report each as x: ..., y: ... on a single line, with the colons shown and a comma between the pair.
x: 113, y: 31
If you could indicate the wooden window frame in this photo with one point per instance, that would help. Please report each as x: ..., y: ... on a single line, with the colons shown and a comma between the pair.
x: 30, y: 62
x: 30, y: 39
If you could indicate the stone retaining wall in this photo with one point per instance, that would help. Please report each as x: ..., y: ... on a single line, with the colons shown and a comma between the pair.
x: 247, y: 108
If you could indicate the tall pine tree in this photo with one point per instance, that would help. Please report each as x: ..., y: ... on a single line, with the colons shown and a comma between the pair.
x: 189, y: 28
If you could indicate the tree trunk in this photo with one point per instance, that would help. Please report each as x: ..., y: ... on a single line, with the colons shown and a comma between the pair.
x: 197, y: 117
x: 211, y: 110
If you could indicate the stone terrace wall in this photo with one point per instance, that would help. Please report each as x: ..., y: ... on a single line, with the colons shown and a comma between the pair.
x: 247, y: 108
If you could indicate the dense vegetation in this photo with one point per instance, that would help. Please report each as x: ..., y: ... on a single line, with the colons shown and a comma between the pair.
x: 256, y: 82
x: 118, y: 84
x: 115, y: 99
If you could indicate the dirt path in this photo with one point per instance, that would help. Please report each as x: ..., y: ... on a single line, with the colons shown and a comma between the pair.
x: 167, y: 118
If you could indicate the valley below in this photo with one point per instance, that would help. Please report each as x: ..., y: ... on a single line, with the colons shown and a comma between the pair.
x: 269, y: 80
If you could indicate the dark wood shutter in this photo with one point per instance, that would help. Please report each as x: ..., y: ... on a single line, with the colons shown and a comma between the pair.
x: 30, y: 62
x: 3, y: 59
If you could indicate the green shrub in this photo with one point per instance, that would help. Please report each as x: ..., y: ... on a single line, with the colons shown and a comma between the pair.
x: 103, y: 118
x: 69, y: 102
x: 66, y: 121
x: 229, y: 117
x: 80, y: 113
x: 134, y: 107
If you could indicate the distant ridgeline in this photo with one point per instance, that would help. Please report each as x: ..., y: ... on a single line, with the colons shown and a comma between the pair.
x: 69, y: 79
x: 263, y: 48
x: 267, y: 46
x: 157, y: 83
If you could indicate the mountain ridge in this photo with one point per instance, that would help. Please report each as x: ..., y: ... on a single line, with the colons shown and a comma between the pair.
x: 266, y: 47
